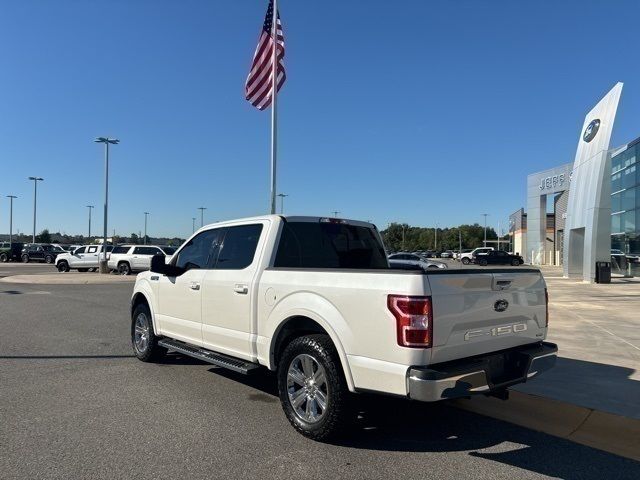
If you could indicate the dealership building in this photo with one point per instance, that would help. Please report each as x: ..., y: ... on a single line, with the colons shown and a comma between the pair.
x: 577, y: 212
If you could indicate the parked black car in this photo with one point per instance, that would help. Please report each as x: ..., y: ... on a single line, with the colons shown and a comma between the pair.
x: 498, y: 257
x: 9, y: 252
x: 40, y: 252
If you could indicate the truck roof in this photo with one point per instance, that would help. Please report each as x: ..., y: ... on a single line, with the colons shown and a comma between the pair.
x: 290, y: 218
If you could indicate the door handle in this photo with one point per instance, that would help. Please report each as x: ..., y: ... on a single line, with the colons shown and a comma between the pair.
x: 241, y: 289
x: 194, y: 286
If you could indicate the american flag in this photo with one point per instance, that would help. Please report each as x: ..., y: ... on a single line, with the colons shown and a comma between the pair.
x: 259, y: 86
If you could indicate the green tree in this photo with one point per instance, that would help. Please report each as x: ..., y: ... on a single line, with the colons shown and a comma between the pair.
x: 134, y: 239
x: 44, y: 236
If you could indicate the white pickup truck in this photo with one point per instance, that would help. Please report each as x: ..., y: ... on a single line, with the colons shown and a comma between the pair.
x: 315, y: 300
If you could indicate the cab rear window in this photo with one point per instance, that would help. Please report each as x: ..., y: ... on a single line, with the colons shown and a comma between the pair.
x: 329, y: 245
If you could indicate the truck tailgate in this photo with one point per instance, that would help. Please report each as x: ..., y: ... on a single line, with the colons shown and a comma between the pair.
x: 482, y: 311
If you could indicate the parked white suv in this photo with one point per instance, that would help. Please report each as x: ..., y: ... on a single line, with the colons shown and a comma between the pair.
x: 83, y: 258
x: 135, y: 258
x: 315, y: 300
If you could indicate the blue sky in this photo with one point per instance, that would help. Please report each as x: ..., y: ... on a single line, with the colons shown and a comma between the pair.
x: 415, y: 111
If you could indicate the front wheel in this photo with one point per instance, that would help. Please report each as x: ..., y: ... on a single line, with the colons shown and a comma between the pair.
x: 483, y: 263
x: 143, y: 339
x: 312, y: 388
x: 63, y: 266
x: 48, y: 259
x: 124, y: 268
x: 465, y: 261
x: 515, y: 262
x: 4, y: 258
x: 25, y: 258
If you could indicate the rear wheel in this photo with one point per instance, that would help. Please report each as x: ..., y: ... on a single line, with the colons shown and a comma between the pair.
x: 143, y: 339
x: 465, y: 260
x: 124, y: 268
x: 63, y: 266
x: 482, y: 262
x: 48, y: 259
x: 25, y: 258
x: 4, y: 258
x: 515, y: 262
x: 312, y: 388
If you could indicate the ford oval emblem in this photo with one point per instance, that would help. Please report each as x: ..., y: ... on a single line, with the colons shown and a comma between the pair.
x: 591, y: 130
x: 501, y: 305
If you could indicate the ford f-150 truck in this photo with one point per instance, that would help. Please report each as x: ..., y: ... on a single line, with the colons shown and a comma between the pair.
x: 315, y: 300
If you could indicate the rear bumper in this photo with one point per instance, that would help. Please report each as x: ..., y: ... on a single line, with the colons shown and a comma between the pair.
x: 482, y: 374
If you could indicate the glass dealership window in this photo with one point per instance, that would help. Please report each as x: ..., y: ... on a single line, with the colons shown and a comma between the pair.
x: 629, y: 221
x: 616, y: 222
x: 629, y: 177
x: 628, y: 199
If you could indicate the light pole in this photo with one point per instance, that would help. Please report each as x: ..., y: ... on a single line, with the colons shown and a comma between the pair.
x: 282, y: 195
x: 403, y: 227
x: 11, y: 197
x: 35, y: 202
x: 193, y: 221
x: 107, y: 141
x: 485, y: 228
x: 335, y: 213
x: 202, y: 209
x: 435, y: 238
x: 90, y: 207
x: 146, y: 214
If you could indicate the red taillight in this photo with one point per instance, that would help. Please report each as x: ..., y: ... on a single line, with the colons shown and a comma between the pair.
x: 546, y: 304
x: 414, y: 320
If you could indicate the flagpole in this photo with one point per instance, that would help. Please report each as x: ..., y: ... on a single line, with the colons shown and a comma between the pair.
x: 274, y: 109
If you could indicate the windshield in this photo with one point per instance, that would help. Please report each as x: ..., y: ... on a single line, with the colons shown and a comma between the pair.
x: 169, y: 250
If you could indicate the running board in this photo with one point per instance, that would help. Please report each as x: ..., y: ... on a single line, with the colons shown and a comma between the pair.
x: 218, y: 359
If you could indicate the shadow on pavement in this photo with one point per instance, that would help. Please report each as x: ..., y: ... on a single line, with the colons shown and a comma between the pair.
x: 399, y: 425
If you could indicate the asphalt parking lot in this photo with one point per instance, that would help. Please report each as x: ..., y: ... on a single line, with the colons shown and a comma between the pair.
x: 75, y: 404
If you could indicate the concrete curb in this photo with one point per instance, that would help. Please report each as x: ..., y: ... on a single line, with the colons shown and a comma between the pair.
x: 68, y: 279
x: 601, y: 430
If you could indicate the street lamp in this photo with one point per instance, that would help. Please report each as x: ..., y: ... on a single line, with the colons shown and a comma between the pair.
x: 107, y: 141
x: 335, y: 213
x: 11, y: 197
x: 35, y: 201
x: 90, y: 207
x: 485, y: 215
x: 282, y: 195
x: 193, y: 221
x: 202, y: 209
x: 146, y: 214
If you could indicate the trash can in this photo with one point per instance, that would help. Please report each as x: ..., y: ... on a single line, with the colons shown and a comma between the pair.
x: 603, y: 272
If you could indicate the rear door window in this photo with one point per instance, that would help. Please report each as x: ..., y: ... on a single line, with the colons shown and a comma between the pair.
x: 239, y: 247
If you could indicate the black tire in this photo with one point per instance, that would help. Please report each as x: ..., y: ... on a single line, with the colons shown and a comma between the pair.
x: 63, y: 266
x: 151, y: 351
x: 4, y: 258
x: 335, y: 415
x: 25, y: 258
x: 124, y: 268
x: 48, y: 259
x: 465, y: 261
x: 83, y: 270
x: 482, y: 262
x: 515, y: 262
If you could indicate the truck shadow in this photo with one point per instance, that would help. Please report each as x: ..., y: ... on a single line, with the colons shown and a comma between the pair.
x: 399, y: 425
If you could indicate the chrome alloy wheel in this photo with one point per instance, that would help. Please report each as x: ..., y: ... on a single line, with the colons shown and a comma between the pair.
x: 307, y: 388
x: 141, y: 333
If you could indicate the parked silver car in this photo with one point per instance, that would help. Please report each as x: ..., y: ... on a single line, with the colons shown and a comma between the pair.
x: 413, y: 259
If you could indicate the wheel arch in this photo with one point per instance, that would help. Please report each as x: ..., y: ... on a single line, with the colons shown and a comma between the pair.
x: 304, y: 323
x: 138, y: 298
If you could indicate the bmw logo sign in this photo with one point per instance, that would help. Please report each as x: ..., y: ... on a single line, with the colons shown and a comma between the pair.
x: 591, y: 130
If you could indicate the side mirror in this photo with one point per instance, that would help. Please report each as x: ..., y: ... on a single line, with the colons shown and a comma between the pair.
x: 158, y: 265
